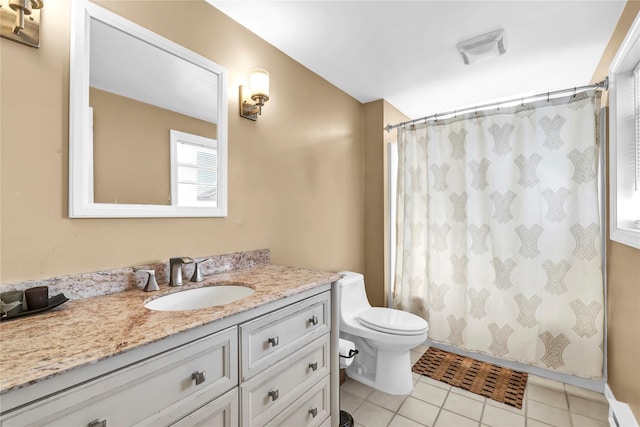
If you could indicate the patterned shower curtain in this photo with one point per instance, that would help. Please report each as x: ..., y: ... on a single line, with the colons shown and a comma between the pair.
x: 498, y: 233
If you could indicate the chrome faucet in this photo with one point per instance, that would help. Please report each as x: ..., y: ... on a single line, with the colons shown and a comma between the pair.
x: 175, y: 270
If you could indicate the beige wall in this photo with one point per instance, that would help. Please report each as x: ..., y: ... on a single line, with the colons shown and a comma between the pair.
x: 131, y: 150
x: 623, y: 271
x: 295, y: 175
x: 377, y: 115
x: 374, y: 203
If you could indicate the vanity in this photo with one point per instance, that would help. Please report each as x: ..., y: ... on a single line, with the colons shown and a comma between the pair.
x: 268, y: 359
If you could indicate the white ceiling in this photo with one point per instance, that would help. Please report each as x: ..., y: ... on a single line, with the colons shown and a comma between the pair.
x: 126, y: 65
x: 405, y: 51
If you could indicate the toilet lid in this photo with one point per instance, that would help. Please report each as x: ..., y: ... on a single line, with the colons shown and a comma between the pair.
x: 393, y: 321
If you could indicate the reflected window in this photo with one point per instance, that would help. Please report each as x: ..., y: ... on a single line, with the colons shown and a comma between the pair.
x: 194, y: 170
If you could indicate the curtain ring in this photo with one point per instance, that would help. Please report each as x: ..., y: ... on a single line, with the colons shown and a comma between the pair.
x: 574, y: 92
x: 498, y: 106
x: 547, y: 96
x: 435, y: 116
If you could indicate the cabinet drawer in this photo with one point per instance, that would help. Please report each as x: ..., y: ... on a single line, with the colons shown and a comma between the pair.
x: 222, y: 412
x: 268, y: 393
x: 139, y: 391
x: 270, y: 338
x: 312, y: 409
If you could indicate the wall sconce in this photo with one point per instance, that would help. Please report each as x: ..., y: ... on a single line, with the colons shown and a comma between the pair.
x: 252, y: 98
x: 20, y: 21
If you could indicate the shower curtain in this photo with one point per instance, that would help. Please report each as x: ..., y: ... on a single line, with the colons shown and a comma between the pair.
x: 498, y: 233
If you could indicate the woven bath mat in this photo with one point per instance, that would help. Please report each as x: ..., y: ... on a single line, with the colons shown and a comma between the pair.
x: 500, y: 384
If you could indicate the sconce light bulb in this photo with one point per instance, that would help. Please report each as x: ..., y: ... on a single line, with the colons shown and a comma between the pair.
x: 260, y: 84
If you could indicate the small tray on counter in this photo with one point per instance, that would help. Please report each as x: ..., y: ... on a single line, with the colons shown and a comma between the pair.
x: 54, y: 301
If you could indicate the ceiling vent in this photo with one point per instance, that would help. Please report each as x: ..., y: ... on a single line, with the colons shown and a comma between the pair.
x: 488, y: 45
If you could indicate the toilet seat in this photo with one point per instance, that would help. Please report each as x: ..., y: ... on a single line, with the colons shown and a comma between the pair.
x: 392, y: 321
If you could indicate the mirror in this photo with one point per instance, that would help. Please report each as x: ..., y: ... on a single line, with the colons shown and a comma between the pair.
x: 148, y: 123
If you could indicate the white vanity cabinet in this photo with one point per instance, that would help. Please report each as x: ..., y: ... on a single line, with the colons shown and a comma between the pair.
x: 269, y: 366
x: 157, y: 391
x: 284, y: 355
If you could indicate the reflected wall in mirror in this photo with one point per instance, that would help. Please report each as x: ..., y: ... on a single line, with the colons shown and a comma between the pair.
x: 131, y: 91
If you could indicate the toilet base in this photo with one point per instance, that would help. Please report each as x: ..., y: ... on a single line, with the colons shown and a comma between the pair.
x: 387, y: 370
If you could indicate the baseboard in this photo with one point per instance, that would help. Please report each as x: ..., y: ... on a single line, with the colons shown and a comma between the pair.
x: 620, y: 414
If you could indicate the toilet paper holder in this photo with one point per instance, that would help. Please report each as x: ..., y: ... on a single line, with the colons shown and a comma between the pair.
x: 352, y: 353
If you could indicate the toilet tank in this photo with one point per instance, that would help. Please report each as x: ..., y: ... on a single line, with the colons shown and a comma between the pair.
x: 353, y: 297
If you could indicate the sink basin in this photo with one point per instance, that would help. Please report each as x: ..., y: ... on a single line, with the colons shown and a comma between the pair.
x: 194, y: 299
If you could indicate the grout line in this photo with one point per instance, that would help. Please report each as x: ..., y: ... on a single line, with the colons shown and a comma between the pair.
x: 525, y: 403
x: 566, y: 398
x: 484, y: 405
x: 435, y: 422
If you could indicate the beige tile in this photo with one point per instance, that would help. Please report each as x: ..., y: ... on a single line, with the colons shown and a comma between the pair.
x: 349, y: 402
x: 548, y: 414
x: 545, y: 382
x: 466, y: 393
x: 429, y: 393
x: 400, y: 421
x: 585, y: 394
x: 464, y: 406
x: 548, y: 396
x: 357, y: 388
x: 509, y: 408
x: 496, y: 417
x: 449, y: 419
x: 387, y: 401
x: 414, y: 356
x: 582, y: 421
x: 588, y: 408
x: 535, y: 423
x: 370, y: 415
x: 419, y: 411
x: 429, y: 380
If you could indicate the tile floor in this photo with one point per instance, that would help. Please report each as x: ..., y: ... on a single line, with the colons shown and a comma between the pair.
x: 436, y: 404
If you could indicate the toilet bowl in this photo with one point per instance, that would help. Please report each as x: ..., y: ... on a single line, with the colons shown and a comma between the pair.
x: 382, y: 336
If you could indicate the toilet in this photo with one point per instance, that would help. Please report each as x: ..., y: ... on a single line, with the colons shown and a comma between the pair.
x: 382, y: 336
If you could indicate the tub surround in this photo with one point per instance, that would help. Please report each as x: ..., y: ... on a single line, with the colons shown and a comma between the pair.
x: 87, y: 330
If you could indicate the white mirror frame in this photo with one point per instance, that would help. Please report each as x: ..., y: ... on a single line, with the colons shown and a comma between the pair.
x: 619, y: 135
x: 81, y: 198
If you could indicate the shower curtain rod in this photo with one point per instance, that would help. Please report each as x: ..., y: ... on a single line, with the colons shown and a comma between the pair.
x: 601, y: 85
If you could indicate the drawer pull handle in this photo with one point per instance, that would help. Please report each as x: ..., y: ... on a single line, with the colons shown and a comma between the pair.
x: 96, y: 423
x: 274, y: 394
x: 313, y: 320
x: 274, y: 341
x: 313, y: 412
x: 313, y: 366
x: 200, y: 377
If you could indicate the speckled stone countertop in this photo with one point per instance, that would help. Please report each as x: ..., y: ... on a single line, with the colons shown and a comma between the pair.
x: 88, y: 330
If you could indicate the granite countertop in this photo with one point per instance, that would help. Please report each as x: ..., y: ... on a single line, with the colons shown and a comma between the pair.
x: 88, y: 330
